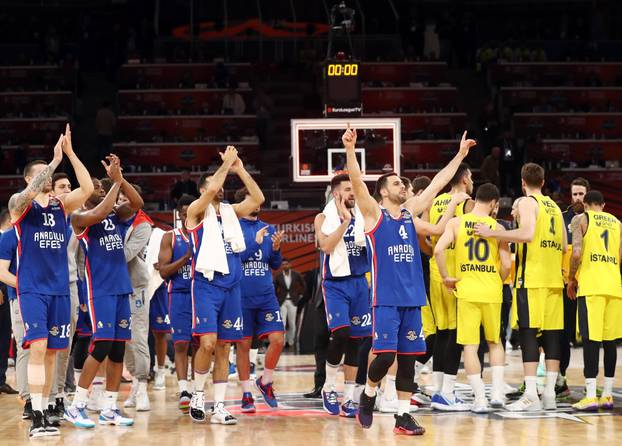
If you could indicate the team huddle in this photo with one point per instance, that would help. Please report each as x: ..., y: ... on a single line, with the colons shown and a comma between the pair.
x: 408, y: 274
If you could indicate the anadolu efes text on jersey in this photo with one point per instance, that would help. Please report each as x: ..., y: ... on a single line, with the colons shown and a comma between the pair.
x: 180, y: 281
x: 42, y: 241
x: 396, y: 274
x: 106, y: 267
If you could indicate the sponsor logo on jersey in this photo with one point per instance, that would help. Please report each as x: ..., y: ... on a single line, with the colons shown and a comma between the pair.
x: 356, y: 320
x: 227, y: 324
x: 159, y: 320
x: 411, y: 335
x: 54, y: 331
x: 100, y: 324
x: 269, y: 317
x: 123, y: 323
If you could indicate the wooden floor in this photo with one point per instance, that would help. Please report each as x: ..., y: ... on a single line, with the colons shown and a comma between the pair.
x: 302, y: 422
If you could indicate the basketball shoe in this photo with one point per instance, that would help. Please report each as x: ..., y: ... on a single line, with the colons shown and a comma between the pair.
x: 605, y: 402
x: 405, y: 424
x: 365, y: 415
x: 586, y: 405
x: 113, y: 417
x: 267, y: 391
x: 248, y: 403
x: 349, y: 409
x: 330, y: 402
x: 77, y: 416
x: 197, y: 407
x: 220, y: 415
x: 184, y: 401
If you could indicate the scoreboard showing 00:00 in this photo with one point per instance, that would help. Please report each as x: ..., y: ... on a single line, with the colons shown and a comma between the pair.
x: 349, y: 69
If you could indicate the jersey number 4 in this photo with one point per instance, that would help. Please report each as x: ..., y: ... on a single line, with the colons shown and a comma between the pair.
x: 403, y: 232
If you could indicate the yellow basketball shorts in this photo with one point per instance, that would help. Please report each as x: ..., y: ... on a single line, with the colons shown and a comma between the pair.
x: 427, y: 317
x: 443, y: 304
x: 600, y: 317
x: 541, y: 308
x: 472, y: 316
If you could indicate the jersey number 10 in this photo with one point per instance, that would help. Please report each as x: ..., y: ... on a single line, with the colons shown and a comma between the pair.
x: 478, y: 249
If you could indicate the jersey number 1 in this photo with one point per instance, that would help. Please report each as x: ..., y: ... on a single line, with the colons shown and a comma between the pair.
x: 605, y: 237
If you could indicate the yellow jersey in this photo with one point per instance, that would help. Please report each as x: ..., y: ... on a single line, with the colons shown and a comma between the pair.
x: 477, y: 262
x: 438, y: 209
x: 539, y: 262
x: 599, y: 272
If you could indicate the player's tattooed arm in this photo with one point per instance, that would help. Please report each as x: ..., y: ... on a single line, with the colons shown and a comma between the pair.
x: 254, y: 198
x: 367, y: 204
x: 578, y: 226
x: 419, y: 203
x: 5, y: 275
x: 77, y: 197
x: 20, y: 201
x: 197, y: 208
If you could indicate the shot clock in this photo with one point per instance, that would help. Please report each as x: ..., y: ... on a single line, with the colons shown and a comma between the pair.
x: 342, y: 88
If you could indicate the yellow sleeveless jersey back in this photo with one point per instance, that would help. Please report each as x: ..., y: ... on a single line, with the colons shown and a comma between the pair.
x: 477, y: 262
x: 439, y: 206
x: 599, y: 272
x: 539, y: 262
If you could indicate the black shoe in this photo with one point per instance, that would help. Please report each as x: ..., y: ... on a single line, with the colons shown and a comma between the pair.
x: 51, y: 423
x: 27, y: 414
x: 315, y: 393
x: 366, y: 410
x: 405, y: 424
x: 50, y: 416
x: 59, y: 408
x: 5, y: 388
x: 562, y: 391
x: 37, y: 428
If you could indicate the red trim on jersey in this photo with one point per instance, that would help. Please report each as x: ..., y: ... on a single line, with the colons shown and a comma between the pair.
x: 89, y: 293
x: 332, y: 330
x: 194, y: 314
x: 372, y: 230
x: 411, y: 354
x: 179, y: 342
x: 21, y: 217
x: 374, y: 267
x: 375, y: 352
x: 268, y: 333
x: 359, y: 337
x: 26, y: 344
x: 142, y: 217
x: 18, y: 234
x: 83, y: 234
x: 198, y: 335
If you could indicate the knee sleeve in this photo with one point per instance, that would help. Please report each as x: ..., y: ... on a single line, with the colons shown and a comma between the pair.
x: 405, y: 377
x: 440, y: 343
x: 100, y: 350
x: 80, y: 351
x: 337, y: 346
x: 380, y: 366
x: 117, y: 351
x: 352, y: 352
x: 453, y: 351
x: 590, y: 358
x: 429, y: 350
x: 551, y: 344
x: 611, y: 357
x: 529, y: 344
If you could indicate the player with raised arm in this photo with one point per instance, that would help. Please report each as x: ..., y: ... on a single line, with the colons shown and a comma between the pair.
x: 108, y: 289
x: 175, y: 265
x: 398, y: 290
x: 541, y: 241
x: 42, y: 282
x: 217, y: 242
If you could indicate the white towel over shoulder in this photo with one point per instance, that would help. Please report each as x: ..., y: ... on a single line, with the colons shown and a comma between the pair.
x: 153, y: 249
x: 212, y: 256
x: 338, y: 263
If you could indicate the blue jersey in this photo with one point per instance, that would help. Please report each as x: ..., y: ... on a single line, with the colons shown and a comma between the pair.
x: 42, y: 266
x: 233, y: 260
x: 106, y: 268
x: 357, y: 256
x: 8, y: 251
x: 182, y: 279
x: 258, y: 260
x: 396, y: 273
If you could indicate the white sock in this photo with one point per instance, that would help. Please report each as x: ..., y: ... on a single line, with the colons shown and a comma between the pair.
x: 561, y: 379
x: 608, y: 386
x: 190, y: 386
x: 110, y: 400
x: 449, y: 382
x: 161, y: 369
x: 142, y: 386
x: 531, y: 389
x: 437, y: 381
x: 267, y: 376
x: 331, y: 377
x: 252, y: 355
x: 220, y: 389
x: 542, y: 360
x: 477, y: 384
x: 199, y: 381
x: 390, y: 393
x: 76, y: 376
x: 590, y: 387
x: 370, y: 391
x: 232, y: 355
x: 403, y: 406
x: 498, y: 381
x: 81, y: 397
x: 551, y: 379
x: 348, y: 391
x: 37, y: 401
x: 183, y: 385
x: 246, y: 385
